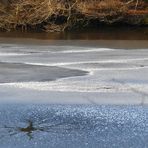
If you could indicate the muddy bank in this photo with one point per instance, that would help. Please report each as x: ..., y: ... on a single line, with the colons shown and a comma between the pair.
x: 51, y: 16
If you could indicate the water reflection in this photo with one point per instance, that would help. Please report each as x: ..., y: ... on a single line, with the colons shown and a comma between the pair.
x: 101, y: 33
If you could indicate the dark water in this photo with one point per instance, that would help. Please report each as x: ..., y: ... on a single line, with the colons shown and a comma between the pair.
x: 81, y: 126
x: 101, y: 33
x: 17, y: 72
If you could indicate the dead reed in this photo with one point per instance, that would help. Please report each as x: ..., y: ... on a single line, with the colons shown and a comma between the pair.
x: 58, y: 15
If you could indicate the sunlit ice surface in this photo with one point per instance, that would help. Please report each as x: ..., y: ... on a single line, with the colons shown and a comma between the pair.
x: 36, y: 126
x: 73, y: 72
x: 95, y: 94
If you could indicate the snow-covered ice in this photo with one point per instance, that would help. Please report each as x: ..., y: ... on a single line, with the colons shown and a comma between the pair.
x: 73, y: 73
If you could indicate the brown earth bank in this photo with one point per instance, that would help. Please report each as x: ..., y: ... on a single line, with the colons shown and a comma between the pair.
x: 61, y: 15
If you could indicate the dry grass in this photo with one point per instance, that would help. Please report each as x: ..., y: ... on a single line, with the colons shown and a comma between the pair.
x: 101, y: 8
x: 24, y: 13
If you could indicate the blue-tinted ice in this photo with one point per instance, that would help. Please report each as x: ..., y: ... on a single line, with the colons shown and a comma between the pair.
x: 81, y: 126
x: 73, y: 73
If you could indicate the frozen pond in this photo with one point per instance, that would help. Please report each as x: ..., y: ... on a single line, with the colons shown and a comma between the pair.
x: 96, y: 94
x: 73, y: 72
x: 64, y: 126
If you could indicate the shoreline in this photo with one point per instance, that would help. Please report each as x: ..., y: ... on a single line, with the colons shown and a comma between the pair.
x: 112, y: 44
x: 55, y: 16
x: 101, y: 33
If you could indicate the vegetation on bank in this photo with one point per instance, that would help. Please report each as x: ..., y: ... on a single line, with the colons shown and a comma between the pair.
x: 60, y: 15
